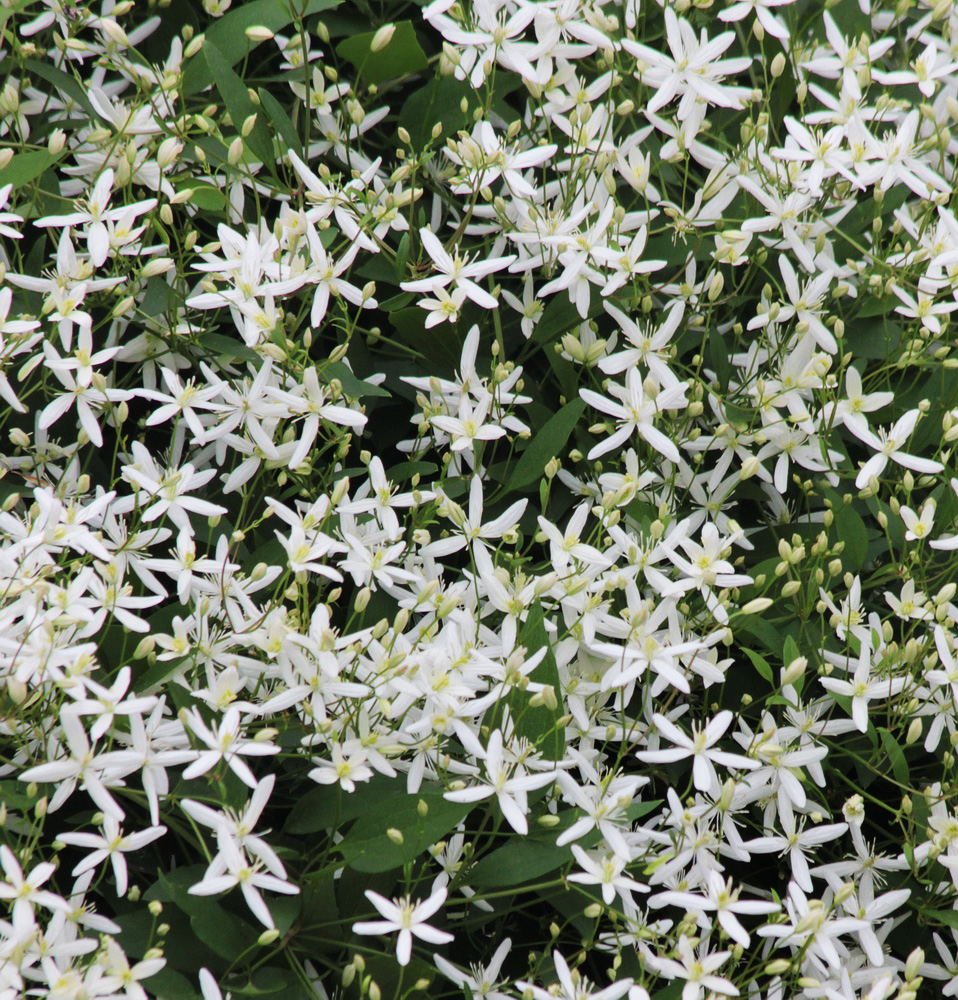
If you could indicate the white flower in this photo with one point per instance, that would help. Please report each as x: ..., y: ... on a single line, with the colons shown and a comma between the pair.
x: 509, y: 788
x: 634, y: 412
x: 236, y: 870
x: 112, y: 844
x: 481, y: 981
x: 720, y: 899
x: 406, y: 917
x: 701, y: 747
x: 693, y: 71
x: 888, y: 445
x: 573, y: 986
x: 457, y: 271
x: 697, y: 969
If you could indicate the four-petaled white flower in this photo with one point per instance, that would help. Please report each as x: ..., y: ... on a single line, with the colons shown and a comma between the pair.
x: 406, y: 917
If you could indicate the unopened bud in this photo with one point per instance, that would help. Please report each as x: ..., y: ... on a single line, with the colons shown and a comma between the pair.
x: 794, y: 670
x: 382, y: 38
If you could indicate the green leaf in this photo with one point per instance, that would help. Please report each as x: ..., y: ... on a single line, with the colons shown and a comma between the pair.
x: 328, y: 806
x: 281, y: 121
x: 218, y: 343
x: 14, y: 798
x: 265, y: 982
x: 639, y: 809
x: 895, y: 754
x: 947, y: 917
x: 68, y: 87
x: 354, y: 387
x: 236, y: 98
x: 545, y: 445
x: 168, y: 984
x: 26, y: 167
x: 406, y: 470
x: 770, y: 636
x: 368, y: 848
x: 790, y: 651
x: 761, y: 665
x: 718, y: 357
x: 228, y: 34
x: 402, y: 56
x: 561, y: 316
x: 222, y: 932
x: 161, y: 671
x: 522, y: 859
x: 538, y: 724
x: 438, y: 103
x: 158, y: 298
x: 850, y: 529
x: 207, y: 197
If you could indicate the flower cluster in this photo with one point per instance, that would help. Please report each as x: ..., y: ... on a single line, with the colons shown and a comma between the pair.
x: 477, y: 499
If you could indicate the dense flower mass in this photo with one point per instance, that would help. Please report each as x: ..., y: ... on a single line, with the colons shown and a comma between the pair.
x: 477, y: 499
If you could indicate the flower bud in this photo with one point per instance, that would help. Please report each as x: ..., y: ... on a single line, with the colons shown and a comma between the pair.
x: 794, y: 670
x: 382, y: 38
x: 56, y: 142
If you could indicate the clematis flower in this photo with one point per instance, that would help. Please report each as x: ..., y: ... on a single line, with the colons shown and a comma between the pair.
x: 406, y: 917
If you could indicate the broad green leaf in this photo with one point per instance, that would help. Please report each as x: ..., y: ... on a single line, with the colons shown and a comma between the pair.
x: 207, y: 197
x: 770, y: 636
x: 168, y: 984
x: 328, y: 806
x: 947, y: 917
x: 895, y: 754
x: 15, y: 797
x: 281, y: 121
x: 353, y: 386
x: 265, y: 982
x: 438, y: 103
x: 152, y: 679
x: 406, y: 470
x: 639, y: 809
x: 236, y: 98
x: 402, y: 56
x: 522, y: 859
x: 761, y: 665
x: 561, y: 316
x: 790, y: 651
x: 26, y: 167
x: 718, y: 357
x: 368, y: 848
x: 221, y: 931
x: 850, y: 529
x: 228, y: 34
x: 538, y: 724
x: 545, y: 445
x: 72, y: 92
x: 158, y: 298
x: 219, y: 343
